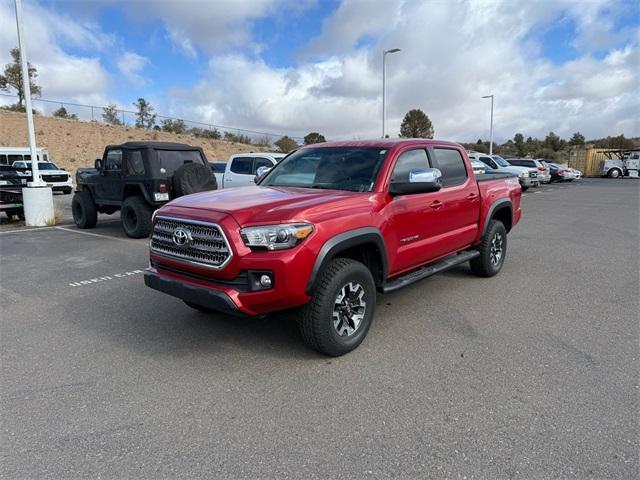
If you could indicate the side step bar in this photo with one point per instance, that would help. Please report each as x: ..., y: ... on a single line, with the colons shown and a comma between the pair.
x: 428, y: 270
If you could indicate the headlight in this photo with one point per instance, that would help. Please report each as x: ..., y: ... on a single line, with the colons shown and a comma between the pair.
x: 524, y: 174
x: 276, y: 237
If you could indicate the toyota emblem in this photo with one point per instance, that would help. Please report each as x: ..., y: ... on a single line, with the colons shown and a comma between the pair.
x: 181, y: 237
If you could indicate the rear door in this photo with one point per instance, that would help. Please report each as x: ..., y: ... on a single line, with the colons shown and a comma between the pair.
x: 239, y: 173
x: 459, y: 196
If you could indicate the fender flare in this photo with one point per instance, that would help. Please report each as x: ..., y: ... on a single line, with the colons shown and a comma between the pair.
x: 342, y: 242
x: 495, y: 206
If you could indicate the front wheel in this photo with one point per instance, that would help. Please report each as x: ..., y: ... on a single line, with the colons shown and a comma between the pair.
x: 84, y: 211
x: 615, y: 173
x: 493, y: 249
x: 341, y: 311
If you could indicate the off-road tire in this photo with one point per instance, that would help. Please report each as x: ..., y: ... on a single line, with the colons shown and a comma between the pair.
x: 85, y: 214
x: 135, y: 216
x: 316, y: 318
x: 482, y: 266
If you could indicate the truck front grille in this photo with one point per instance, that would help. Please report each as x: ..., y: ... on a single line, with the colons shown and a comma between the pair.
x: 191, y: 241
x: 55, y: 178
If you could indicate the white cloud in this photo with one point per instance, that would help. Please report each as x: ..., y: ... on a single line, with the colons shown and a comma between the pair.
x: 131, y: 65
x: 452, y: 54
x: 62, y: 76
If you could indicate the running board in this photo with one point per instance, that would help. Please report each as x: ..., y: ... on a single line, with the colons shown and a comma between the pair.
x: 428, y: 270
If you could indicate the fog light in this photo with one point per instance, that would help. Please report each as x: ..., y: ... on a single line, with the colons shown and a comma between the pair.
x: 265, y: 281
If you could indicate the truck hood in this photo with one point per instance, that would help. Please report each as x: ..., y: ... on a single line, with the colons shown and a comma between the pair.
x: 266, y: 205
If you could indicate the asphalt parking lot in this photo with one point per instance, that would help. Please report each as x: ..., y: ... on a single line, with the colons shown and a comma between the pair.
x: 530, y: 374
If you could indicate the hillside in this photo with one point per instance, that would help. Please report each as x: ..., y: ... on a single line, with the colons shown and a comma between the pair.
x: 74, y: 144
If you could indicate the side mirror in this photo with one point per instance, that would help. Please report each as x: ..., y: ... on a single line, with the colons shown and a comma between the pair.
x: 261, y: 172
x: 422, y: 180
x: 98, y: 164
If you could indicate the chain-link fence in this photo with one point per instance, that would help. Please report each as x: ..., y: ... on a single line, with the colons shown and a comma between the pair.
x: 118, y: 116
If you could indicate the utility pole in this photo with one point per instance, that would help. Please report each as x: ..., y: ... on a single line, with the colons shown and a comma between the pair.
x: 37, y: 197
x: 491, y: 126
x: 384, y: 79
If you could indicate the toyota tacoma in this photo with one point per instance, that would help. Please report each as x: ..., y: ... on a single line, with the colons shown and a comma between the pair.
x: 330, y: 226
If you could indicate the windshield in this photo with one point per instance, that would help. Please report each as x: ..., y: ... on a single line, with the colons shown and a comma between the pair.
x: 500, y: 161
x: 171, y: 160
x: 339, y: 168
x: 41, y: 165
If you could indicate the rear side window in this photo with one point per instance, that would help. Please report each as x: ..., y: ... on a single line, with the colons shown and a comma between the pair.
x: 411, y: 160
x: 3, y: 160
x: 135, y: 165
x: 262, y: 162
x: 14, y: 158
x: 218, y: 167
x: 451, y: 164
x: 242, y: 165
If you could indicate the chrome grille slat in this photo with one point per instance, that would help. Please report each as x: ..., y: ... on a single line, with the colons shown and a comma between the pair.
x: 208, y: 247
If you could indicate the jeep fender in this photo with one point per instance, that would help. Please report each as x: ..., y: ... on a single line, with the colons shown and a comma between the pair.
x: 345, y: 241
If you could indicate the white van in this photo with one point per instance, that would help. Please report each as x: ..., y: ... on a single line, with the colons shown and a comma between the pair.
x: 9, y: 155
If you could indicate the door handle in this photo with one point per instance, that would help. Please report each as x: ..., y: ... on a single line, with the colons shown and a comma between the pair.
x: 472, y: 197
x: 436, y: 204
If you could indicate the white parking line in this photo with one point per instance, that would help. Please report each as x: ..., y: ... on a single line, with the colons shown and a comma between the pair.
x: 22, y: 230
x: 102, y: 236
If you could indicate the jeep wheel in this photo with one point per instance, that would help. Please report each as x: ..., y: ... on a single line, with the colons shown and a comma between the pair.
x: 135, y: 216
x: 493, y: 249
x: 341, y: 311
x: 85, y: 214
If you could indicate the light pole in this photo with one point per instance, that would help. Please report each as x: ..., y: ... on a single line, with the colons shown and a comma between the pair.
x: 37, y: 197
x: 384, y: 79
x: 491, y: 128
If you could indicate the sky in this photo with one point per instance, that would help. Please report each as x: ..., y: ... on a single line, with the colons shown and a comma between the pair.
x: 295, y: 66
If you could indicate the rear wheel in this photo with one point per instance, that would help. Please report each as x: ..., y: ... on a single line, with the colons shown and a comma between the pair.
x: 341, y: 311
x: 136, y: 217
x: 85, y: 214
x: 493, y: 249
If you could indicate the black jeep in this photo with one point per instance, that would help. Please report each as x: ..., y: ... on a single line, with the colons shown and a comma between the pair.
x: 136, y: 178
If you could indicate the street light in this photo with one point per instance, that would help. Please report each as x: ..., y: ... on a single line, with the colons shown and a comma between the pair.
x: 491, y: 129
x: 384, y: 77
x: 37, y: 197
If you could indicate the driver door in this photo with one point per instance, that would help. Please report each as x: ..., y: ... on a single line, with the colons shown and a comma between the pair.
x: 110, y: 185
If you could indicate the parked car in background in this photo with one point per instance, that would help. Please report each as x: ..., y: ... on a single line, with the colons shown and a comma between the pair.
x: 577, y: 174
x: 135, y: 178
x: 8, y: 155
x: 56, y: 178
x: 11, y: 184
x: 218, y: 169
x: 479, y: 167
x: 241, y: 169
x: 559, y: 174
x: 543, y: 170
x: 528, y: 177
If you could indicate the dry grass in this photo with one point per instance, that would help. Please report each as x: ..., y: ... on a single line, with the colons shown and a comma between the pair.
x: 57, y: 217
x: 76, y: 144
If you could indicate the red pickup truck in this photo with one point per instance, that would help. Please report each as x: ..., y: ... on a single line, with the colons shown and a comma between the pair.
x: 327, y: 228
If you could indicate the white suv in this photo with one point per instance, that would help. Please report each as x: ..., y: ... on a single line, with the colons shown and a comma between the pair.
x: 242, y: 168
x: 56, y: 178
x: 528, y: 177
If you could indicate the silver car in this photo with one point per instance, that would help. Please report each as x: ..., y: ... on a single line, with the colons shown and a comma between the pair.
x: 544, y: 173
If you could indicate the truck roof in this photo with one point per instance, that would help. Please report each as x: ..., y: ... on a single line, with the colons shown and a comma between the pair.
x: 157, y: 145
x: 383, y: 143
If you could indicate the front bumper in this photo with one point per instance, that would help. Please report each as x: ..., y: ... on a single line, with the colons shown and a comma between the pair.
x: 528, y: 182
x: 213, y: 299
